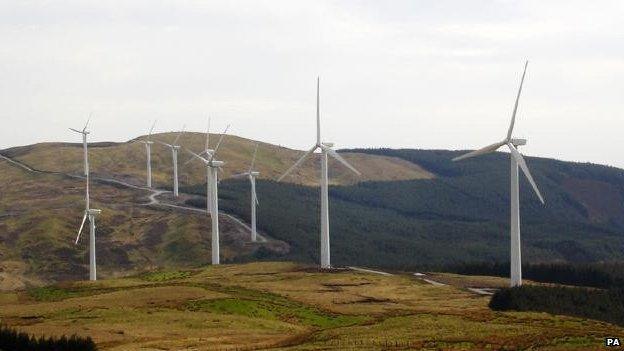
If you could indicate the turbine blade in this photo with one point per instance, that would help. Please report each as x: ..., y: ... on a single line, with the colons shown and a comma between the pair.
x: 340, y: 159
x: 240, y: 175
x: 318, y: 113
x: 253, y: 159
x: 513, y: 115
x: 163, y: 143
x: 525, y: 169
x: 481, y: 151
x: 299, y: 162
x: 76, y: 130
x: 207, y: 135
x: 196, y: 156
x: 151, y: 129
x: 84, y: 218
x: 255, y: 195
x: 87, y: 124
x: 179, y: 135
x: 219, y: 142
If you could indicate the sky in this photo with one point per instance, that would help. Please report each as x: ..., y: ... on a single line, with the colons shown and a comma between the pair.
x: 436, y: 74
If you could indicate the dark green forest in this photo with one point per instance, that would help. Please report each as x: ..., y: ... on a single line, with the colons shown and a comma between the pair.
x: 13, y: 340
x: 605, y: 305
x: 461, y: 216
x: 604, y: 275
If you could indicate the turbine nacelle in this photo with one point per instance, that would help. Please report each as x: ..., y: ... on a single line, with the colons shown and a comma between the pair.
x: 254, y: 173
x: 83, y: 132
x: 215, y: 163
x: 518, y: 142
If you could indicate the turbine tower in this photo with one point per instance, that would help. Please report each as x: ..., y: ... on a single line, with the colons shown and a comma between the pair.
x: 174, y: 156
x: 212, y: 199
x: 84, y: 133
x: 516, y: 160
x: 251, y: 174
x: 88, y: 212
x: 148, y: 148
x: 326, y: 150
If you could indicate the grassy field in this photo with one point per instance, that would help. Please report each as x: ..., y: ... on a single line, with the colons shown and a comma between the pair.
x: 286, y: 306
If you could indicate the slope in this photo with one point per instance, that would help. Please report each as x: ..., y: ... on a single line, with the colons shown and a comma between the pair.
x: 41, y: 212
x: 126, y: 161
x: 286, y: 306
x: 462, y: 215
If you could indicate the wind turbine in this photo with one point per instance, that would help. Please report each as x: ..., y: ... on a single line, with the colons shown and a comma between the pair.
x: 84, y: 133
x: 251, y: 174
x: 88, y: 212
x: 326, y: 150
x: 148, y: 147
x: 212, y: 199
x: 174, y: 155
x: 516, y: 160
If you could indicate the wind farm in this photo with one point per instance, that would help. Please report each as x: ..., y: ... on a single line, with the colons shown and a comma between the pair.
x: 169, y: 240
x: 311, y: 176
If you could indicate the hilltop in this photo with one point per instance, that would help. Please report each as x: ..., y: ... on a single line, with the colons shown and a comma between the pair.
x: 126, y: 161
x: 287, y: 306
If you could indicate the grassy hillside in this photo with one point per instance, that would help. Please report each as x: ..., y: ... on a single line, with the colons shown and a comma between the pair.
x: 40, y: 215
x: 126, y: 161
x: 285, y: 306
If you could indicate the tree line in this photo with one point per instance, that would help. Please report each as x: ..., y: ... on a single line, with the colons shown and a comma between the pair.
x: 13, y: 340
x: 604, y: 275
x: 599, y: 304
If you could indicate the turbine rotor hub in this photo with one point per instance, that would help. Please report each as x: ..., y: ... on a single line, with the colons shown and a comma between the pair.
x: 518, y: 142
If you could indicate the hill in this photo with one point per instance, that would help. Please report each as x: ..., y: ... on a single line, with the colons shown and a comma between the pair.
x: 460, y: 215
x: 40, y: 214
x: 126, y: 161
x: 424, y: 211
x: 287, y: 306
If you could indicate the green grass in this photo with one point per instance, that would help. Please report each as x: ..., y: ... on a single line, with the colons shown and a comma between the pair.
x: 51, y: 293
x: 165, y: 276
x: 274, y: 311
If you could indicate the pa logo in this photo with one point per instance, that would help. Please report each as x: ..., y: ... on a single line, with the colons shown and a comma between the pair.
x: 613, y: 342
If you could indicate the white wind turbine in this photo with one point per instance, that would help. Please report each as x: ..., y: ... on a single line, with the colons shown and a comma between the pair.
x: 212, y: 198
x: 251, y: 174
x: 84, y: 133
x: 516, y: 160
x: 326, y: 150
x: 174, y: 155
x: 89, y: 212
x: 148, y: 148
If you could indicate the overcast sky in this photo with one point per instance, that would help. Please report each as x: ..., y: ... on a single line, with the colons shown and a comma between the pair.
x: 408, y: 74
